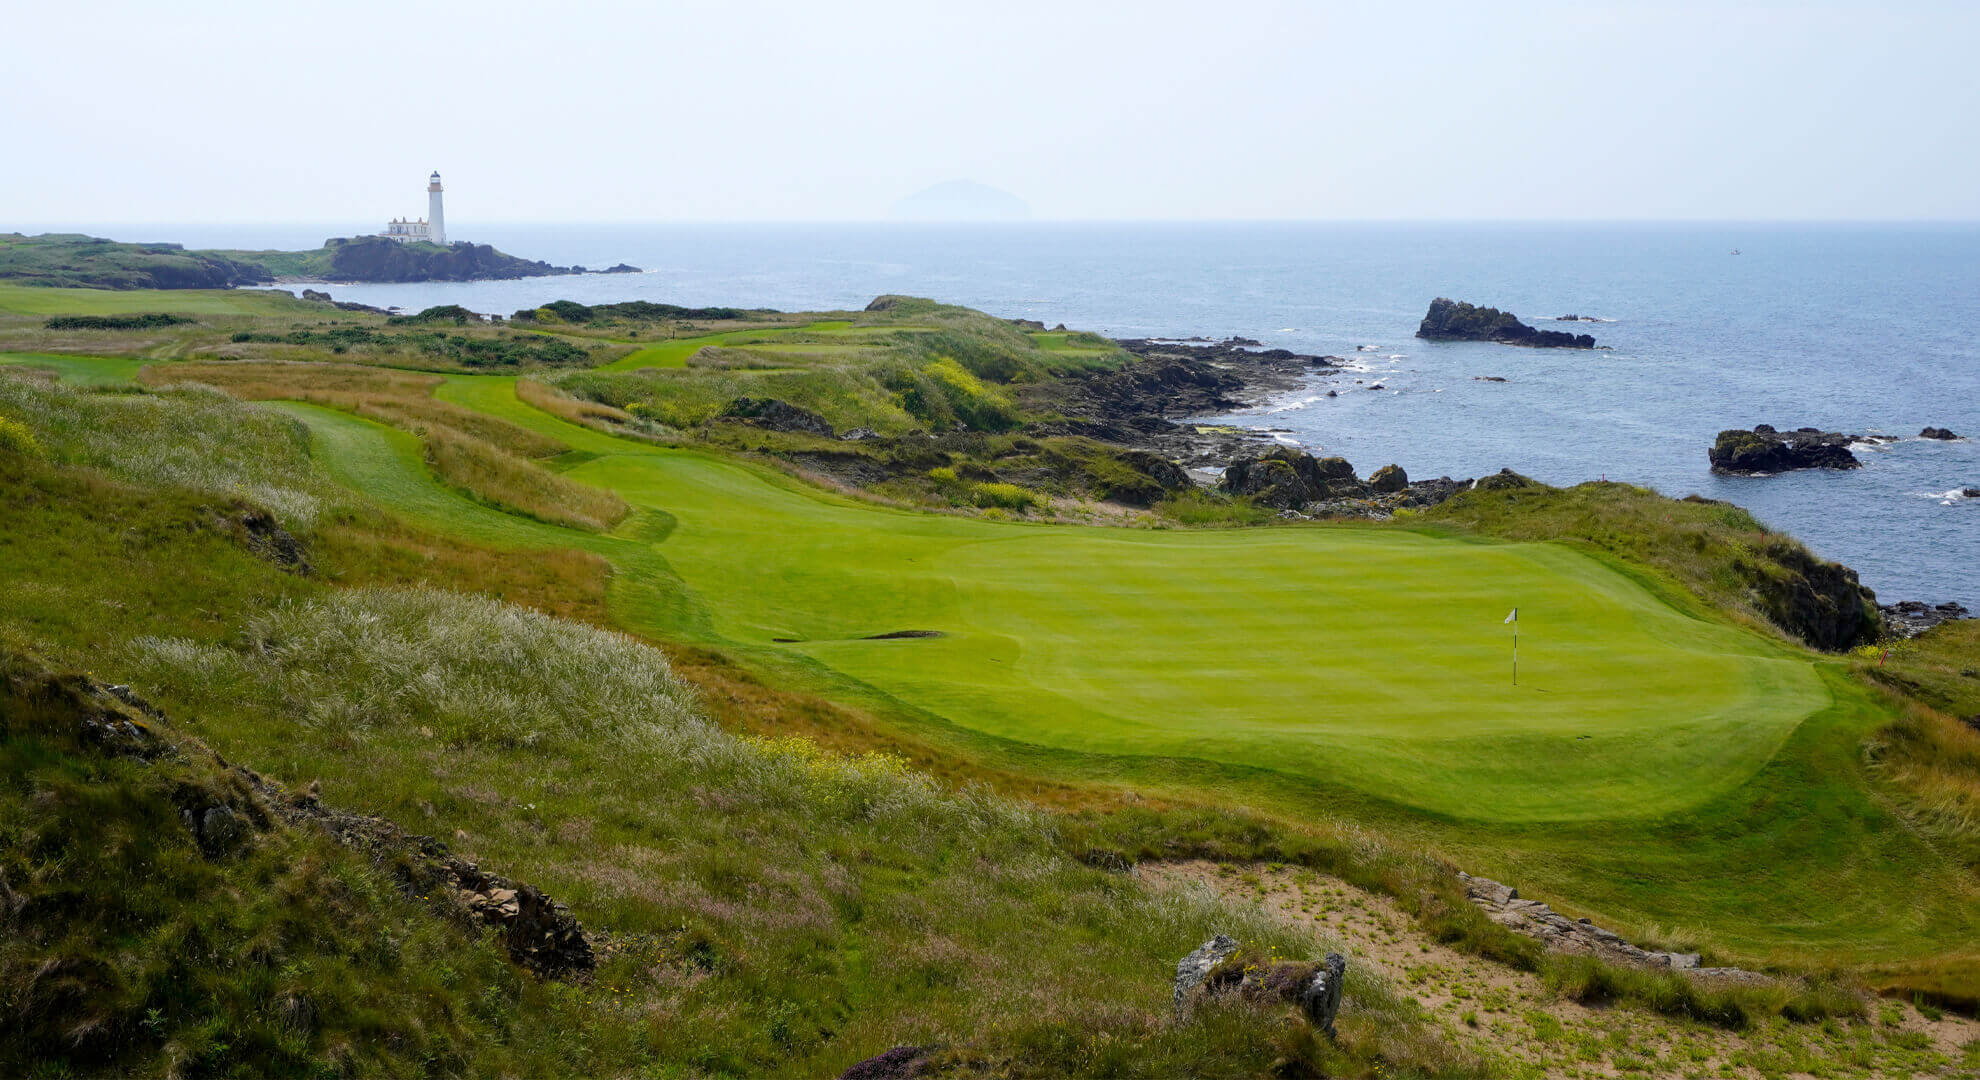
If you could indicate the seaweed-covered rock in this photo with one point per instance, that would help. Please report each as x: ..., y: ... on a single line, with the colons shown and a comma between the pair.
x: 1454, y: 320
x: 1765, y: 450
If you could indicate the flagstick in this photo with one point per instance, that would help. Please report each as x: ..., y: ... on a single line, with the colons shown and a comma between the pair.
x: 1515, y: 646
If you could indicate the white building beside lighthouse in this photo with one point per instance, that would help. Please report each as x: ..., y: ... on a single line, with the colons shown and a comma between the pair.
x: 431, y: 229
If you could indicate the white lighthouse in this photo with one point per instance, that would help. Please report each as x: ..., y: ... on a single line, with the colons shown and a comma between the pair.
x: 436, y: 218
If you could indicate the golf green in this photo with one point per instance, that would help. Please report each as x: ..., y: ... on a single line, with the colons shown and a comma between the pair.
x: 1373, y: 658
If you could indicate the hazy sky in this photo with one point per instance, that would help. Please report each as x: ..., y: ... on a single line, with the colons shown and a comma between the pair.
x: 578, y: 111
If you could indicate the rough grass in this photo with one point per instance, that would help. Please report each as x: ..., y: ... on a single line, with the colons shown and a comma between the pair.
x: 482, y: 455
x: 403, y: 399
x: 188, y: 436
x: 511, y: 483
x: 125, y: 949
x: 571, y: 757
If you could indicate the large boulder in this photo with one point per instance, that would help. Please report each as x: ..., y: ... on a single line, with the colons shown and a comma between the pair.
x: 1942, y: 434
x: 1194, y: 970
x: 1222, y: 966
x: 1454, y: 320
x: 1157, y: 468
x: 1388, y: 479
x: 1284, y: 478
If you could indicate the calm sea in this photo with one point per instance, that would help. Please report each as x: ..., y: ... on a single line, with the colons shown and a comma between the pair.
x: 1866, y: 328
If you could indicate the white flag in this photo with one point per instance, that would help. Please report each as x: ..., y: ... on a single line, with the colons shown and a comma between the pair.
x: 1513, y: 616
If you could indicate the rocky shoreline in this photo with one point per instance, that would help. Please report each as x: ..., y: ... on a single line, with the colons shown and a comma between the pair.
x: 1139, y: 405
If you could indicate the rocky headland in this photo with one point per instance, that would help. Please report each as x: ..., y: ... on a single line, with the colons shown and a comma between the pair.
x: 1455, y: 320
x: 71, y: 260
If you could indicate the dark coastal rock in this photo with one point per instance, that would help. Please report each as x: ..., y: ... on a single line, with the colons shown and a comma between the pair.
x: 1910, y: 618
x: 1452, y: 320
x: 778, y: 416
x: 1285, y: 479
x: 1942, y: 434
x: 1820, y: 602
x: 268, y: 539
x: 622, y: 268
x: 1169, y: 475
x: 1388, y: 479
x: 1765, y: 450
x: 1969, y: 493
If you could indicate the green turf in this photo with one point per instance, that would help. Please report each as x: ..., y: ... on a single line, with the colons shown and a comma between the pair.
x: 1654, y: 767
x: 35, y: 300
x: 88, y: 370
x: 1283, y: 648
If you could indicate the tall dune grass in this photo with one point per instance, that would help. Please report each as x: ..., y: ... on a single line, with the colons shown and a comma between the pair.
x: 486, y: 456
x: 188, y: 436
x: 512, y: 483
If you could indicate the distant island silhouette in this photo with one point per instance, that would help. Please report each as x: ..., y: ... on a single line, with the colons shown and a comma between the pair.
x: 961, y: 200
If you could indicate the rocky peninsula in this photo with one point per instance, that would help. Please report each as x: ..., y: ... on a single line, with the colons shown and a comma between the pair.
x: 72, y: 260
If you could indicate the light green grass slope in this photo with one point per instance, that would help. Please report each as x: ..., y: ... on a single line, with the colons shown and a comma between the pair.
x: 1374, y: 658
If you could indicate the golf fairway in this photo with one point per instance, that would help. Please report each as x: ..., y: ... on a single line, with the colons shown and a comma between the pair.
x: 1371, y: 658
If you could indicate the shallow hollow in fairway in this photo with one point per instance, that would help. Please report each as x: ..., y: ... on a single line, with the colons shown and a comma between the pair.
x: 1374, y: 659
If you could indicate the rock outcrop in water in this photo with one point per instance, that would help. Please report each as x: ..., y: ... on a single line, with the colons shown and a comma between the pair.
x: 1765, y: 450
x: 1454, y: 320
x: 1939, y: 433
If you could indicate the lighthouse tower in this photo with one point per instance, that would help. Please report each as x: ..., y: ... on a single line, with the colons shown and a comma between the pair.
x: 436, y: 219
